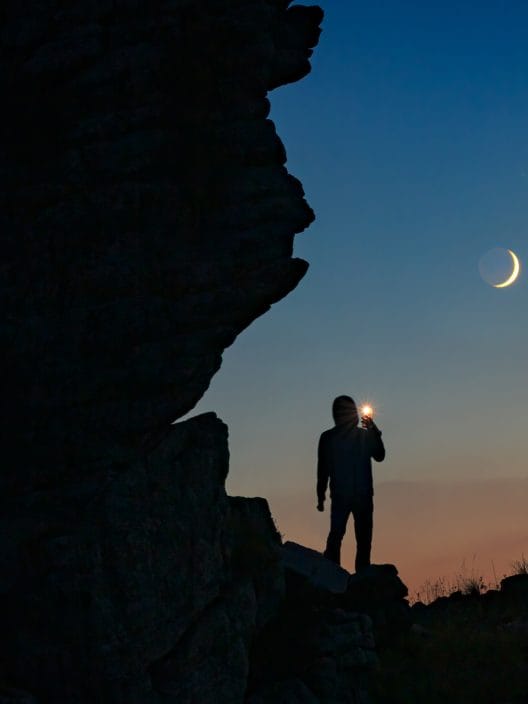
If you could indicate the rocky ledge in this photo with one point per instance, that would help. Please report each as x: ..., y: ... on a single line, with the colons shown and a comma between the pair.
x: 146, y: 587
x: 148, y: 218
x: 156, y: 586
x: 320, y: 648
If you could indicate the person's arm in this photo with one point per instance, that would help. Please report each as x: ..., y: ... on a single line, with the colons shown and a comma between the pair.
x: 376, y: 446
x: 322, y: 475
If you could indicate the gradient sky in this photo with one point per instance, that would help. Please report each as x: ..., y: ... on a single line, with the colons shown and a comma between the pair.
x: 410, y: 137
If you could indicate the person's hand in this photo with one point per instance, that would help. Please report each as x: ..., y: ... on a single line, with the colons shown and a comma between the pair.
x: 320, y: 506
x: 367, y: 422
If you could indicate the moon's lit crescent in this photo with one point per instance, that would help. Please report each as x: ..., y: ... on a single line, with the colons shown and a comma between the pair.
x: 515, y: 273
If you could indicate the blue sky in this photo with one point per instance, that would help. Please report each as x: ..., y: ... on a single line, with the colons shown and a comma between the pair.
x: 410, y: 137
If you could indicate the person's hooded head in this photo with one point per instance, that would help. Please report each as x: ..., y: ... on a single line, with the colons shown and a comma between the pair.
x: 344, y: 411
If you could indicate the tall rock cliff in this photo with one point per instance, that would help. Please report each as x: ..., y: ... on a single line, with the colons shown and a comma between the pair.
x: 147, y: 218
x: 147, y: 213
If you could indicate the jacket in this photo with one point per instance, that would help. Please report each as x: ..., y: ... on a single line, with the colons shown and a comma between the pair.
x: 344, y: 459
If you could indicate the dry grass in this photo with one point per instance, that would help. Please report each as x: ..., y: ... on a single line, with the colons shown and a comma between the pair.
x: 520, y: 566
x: 466, y: 580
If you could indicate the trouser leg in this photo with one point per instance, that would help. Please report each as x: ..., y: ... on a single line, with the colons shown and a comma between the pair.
x: 363, y: 511
x: 338, y: 520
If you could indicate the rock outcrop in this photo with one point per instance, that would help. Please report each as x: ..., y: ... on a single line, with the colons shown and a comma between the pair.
x: 146, y: 212
x: 376, y: 590
x: 144, y: 583
x: 148, y: 218
x: 320, y: 646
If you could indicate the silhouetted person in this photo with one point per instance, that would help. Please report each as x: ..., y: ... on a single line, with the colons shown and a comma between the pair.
x: 344, y: 458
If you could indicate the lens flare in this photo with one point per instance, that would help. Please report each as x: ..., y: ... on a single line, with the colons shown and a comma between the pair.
x: 367, y: 410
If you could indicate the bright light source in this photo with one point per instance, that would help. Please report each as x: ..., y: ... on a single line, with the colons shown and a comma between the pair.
x: 367, y: 411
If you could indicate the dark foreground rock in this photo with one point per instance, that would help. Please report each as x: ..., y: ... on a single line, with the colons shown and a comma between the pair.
x: 378, y: 591
x: 321, y: 645
x: 311, y: 568
x: 147, y: 218
x: 147, y: 587
x: 515, y: 588
x: 312, y: 652
x: 157, y: 587
x: 375, y: 590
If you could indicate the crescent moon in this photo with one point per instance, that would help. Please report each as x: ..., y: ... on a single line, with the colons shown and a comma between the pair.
x: 515, y: 273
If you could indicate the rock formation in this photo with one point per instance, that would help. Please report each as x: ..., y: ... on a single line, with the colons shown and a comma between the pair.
x: 320, y: 647
x: 148, y: 218
x: 147, y: 213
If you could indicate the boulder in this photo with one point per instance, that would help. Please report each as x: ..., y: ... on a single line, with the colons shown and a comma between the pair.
x: 378, y: 591
x: 376, y: 584
x: 313, y: 567
x: 375, y: 590
x: 318, y: 642
x: 515, y: 586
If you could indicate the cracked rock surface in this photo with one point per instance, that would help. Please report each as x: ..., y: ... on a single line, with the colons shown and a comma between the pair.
x: 146, y: 211
x: 147, y: 218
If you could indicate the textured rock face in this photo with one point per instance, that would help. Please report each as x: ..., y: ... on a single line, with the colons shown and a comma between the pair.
x: 146, y: 587
x: 147, y: 218
x: 147, y: 214
x: 318, y: 649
